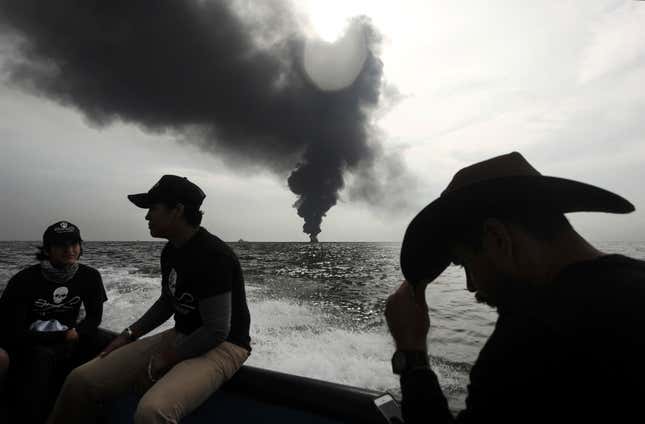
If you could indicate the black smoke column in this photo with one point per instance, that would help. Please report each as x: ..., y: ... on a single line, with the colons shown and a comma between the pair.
x: 228, y: 78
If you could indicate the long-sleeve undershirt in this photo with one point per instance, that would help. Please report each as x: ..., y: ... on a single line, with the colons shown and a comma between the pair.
x: 156, y: 315
x: 216, y: 323
x: 215, y: 312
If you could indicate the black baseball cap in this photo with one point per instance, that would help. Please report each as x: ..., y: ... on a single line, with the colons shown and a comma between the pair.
x: 170, y: 188
x: 61, y: 233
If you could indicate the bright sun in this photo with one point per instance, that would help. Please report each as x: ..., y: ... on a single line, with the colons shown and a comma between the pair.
x: 329, y: 18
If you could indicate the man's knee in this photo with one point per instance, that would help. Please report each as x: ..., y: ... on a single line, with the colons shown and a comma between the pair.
x: 79, y: 380
x: 154, y: 410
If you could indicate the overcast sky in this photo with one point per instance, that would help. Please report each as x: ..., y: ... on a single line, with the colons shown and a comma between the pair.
x: 561, y: 82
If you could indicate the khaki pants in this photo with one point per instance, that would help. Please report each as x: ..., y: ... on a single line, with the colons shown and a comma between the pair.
x: 180, y: 391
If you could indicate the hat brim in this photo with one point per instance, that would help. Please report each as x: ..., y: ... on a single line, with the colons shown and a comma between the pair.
x: 425, y: 249
x: 141, y: 200
x: 64, y: 240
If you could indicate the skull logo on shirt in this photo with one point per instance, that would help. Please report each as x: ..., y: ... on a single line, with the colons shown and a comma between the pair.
x: 60, y: 294
x: 172, y: 281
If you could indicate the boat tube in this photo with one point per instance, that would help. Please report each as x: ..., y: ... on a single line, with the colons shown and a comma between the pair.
x: 257, y: 395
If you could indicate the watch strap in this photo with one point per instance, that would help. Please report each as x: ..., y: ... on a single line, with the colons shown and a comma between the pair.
x: 404, y: 361
x: 127, y: 332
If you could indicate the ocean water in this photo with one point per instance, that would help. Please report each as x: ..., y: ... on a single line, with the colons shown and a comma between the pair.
x: 316, y: 309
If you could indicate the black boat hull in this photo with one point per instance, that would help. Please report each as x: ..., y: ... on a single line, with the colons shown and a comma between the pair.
x: 256, y: 395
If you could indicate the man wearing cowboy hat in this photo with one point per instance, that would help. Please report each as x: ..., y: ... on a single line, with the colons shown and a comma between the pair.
x: 569, y: 343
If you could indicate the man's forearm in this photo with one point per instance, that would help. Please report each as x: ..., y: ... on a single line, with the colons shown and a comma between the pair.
x: 158, y: 313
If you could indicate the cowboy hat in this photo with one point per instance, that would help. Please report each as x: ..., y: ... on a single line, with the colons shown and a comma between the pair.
x: 503, y: 184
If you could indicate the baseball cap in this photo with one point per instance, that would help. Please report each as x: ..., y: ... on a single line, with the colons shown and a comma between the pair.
x: 61, y: 233
x: 170, y: 188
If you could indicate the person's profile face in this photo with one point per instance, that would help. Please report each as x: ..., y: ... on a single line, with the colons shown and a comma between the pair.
x: 483, y: 277
x: 161, y: 219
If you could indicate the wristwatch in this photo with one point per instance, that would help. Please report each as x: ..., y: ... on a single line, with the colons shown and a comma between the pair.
x: 128, y: 333
x: 408, y: 360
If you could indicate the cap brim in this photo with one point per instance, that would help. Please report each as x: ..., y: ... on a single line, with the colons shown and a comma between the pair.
x: 141, y: 200
x: 63, y: 240
x: 425, y: 250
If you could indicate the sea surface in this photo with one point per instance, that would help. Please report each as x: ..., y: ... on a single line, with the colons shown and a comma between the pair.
x: 316, y: 309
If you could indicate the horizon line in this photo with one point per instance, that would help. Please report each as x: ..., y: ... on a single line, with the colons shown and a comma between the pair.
x: 227, y: 241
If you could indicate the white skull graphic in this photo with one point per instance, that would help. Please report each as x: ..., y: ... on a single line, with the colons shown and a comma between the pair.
x: 172, y: 281
x: 60, y: 294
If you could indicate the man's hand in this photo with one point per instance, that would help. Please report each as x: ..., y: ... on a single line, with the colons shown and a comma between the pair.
x: 406, y: 312
x: 120, y: 340
x: 71, y: 336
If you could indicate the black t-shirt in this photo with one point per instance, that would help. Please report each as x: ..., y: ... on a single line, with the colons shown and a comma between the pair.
x: 572, y: 351
x: 204, y: 267
x: 29, y: 297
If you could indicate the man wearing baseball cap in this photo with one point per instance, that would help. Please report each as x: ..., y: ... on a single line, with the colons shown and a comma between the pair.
x: 203, y: 287
x: 40, y: 321
x: 569, y: 342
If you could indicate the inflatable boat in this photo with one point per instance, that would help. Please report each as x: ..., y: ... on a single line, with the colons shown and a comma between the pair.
x: 256, y: 395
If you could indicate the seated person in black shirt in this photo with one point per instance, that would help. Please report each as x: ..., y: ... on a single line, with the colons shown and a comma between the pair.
x: 41, y: 329
x: 177, y: 369
x: 569, y: 343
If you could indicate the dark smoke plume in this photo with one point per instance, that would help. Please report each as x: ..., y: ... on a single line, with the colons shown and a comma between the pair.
x: 224, y: 70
